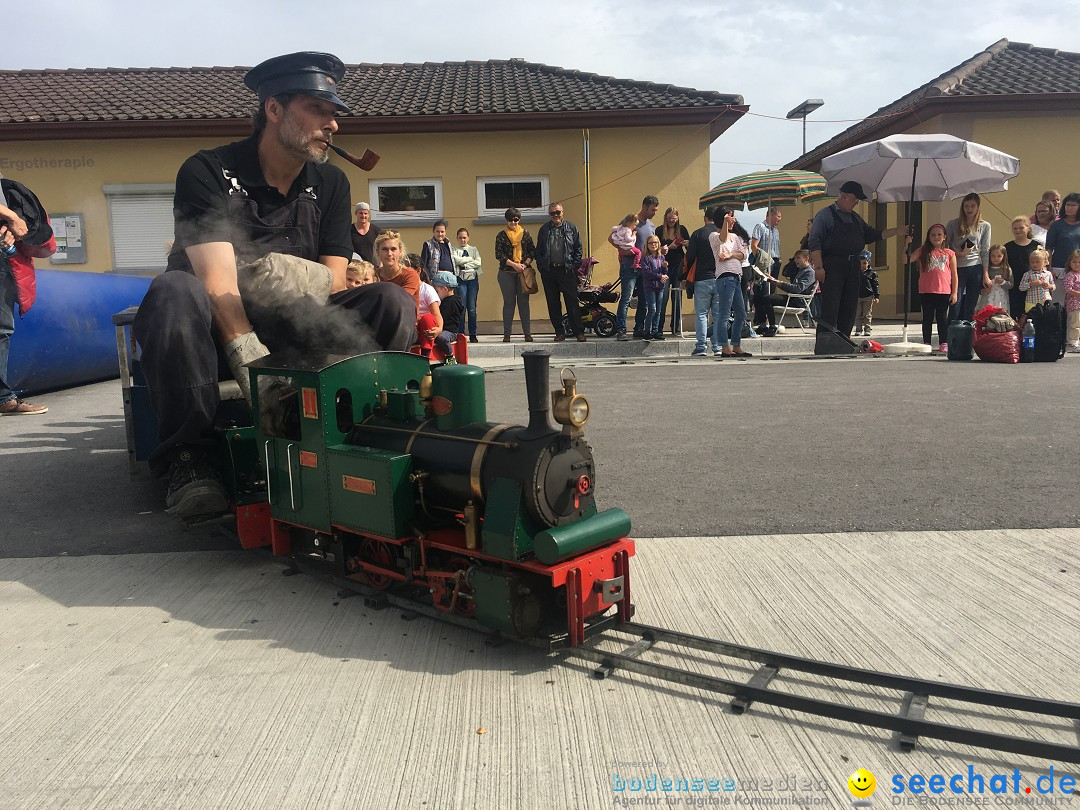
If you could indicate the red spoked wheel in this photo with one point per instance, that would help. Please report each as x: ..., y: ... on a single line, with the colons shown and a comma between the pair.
x: 377, y: 553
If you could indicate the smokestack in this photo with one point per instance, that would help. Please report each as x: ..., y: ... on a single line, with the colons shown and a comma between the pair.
x: 537, y: 381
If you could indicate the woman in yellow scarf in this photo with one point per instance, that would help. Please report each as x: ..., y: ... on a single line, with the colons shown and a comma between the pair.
x: 514, y: 250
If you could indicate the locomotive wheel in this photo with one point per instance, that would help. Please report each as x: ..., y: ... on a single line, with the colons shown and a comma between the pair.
x: 376, y: 552
x: 604, y: 325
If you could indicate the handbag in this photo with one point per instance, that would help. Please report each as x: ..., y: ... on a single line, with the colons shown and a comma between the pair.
x: 527, y: 281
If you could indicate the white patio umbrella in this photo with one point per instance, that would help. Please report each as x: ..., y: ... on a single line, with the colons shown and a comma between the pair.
x: 920, y: 168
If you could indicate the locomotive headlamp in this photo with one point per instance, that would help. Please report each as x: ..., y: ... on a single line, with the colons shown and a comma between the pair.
x: 568, y: 406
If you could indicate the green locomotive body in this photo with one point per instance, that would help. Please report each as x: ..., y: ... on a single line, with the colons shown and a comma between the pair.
x: 386, y: 471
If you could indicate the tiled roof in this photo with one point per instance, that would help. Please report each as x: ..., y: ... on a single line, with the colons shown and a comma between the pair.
x: 1013, y: 69
x: 372, y: 91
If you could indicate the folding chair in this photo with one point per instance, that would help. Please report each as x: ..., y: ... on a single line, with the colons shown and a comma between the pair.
x: 798, y: 306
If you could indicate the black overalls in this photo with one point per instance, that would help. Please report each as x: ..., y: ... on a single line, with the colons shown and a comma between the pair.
x: 840, y: 289
x: 181, y: 356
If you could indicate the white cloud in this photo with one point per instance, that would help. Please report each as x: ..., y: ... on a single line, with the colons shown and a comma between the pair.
x: 857, y: 56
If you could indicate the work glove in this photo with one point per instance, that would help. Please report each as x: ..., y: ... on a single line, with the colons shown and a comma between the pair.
x: 278, y: 280
x: 239, y: 352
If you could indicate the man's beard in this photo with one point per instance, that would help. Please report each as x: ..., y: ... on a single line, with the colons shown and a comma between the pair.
x: 300, y: 143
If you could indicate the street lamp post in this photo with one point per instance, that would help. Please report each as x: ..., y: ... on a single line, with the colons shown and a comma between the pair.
x: 802, y: 111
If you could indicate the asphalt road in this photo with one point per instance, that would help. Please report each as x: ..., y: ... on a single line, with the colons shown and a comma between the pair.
x: 703, y: 448
x: 688, y: 448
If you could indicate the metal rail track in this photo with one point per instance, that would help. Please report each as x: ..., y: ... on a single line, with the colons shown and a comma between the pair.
x: 909, y: 722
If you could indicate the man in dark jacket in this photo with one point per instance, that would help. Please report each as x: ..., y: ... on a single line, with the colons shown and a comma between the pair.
x: 558, y: 256
x: 699, y: 256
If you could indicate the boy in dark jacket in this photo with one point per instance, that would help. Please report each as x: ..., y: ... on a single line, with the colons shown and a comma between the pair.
x: 869, y: 294
x: 452, y: 309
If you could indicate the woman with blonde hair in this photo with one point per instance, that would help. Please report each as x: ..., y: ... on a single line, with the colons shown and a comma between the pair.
x: 1018, y: 251
x: 514, y: 251
x: 673, y: 235
x: 968, y: 236
x: 393, y: 269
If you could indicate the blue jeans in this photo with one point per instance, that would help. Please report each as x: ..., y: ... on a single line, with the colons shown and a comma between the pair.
x: 665, y: 295
x: 653, y: 313
x: 969, y: 280
x: 627, y: 279
x: 7, y: 326
x: 467, y: 291
x: 706, y: 301
x: 730, y: 299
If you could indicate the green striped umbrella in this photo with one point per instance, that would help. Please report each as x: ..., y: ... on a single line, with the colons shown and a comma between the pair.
x: 761, y: 189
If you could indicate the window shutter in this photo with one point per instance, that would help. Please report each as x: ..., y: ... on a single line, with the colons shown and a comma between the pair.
x: 142, y: 230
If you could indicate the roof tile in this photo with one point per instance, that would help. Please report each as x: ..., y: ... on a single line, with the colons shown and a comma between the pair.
x: 429, y: 89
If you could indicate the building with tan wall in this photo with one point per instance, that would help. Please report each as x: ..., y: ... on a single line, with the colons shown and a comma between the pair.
x: 1014, y: 97
x: 101, y: 149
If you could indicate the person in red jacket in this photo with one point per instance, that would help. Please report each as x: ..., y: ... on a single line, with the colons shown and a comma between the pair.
x: 25, y: 234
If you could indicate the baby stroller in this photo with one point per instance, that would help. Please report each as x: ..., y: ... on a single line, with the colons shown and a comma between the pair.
x: 591, y: 299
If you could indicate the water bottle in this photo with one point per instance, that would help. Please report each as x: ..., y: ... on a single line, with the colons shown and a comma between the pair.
x: 1027, y: 342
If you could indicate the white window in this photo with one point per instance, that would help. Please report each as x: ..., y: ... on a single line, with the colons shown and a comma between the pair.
x: 141, y: 225
x: 403, y: 203
x: 527, y: 194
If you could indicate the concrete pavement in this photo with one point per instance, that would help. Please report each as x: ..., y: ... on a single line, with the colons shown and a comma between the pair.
x: 146, y: 665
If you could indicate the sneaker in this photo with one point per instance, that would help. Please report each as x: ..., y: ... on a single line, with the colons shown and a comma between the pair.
x: 581, y: 338
x: 473, y: 339
x: 195, y: 489
x: 560, y: 338
x: 699, y: 353
x: 19, y: 407
x: 866, y: 331
x: 659, y: 336
x: 621, y: 336
x: 718, y: 353
x: 943, y: 348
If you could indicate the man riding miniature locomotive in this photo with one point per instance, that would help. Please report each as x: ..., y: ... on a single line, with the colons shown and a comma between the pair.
x: 258, y: 265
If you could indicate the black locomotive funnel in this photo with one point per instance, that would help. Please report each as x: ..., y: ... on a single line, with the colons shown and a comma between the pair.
x: 537, y: 368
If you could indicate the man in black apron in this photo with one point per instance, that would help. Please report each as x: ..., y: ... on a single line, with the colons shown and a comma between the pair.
x: 837, y: 237
x: 271, y: 195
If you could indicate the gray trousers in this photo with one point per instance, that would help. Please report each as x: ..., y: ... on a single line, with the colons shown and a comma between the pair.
x: 864, y: 312
x: 512, y: 294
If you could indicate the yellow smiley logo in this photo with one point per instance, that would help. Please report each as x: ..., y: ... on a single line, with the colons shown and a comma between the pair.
x: 861, y: 783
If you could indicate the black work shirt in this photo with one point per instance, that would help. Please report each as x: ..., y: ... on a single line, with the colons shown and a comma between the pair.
x: 202, y: 192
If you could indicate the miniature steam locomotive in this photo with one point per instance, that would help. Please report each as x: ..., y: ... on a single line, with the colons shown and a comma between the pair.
x: 384, y: 470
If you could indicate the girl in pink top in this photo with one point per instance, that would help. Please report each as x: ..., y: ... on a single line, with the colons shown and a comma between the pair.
x: 937, y: 284
x: 1072, y: 299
